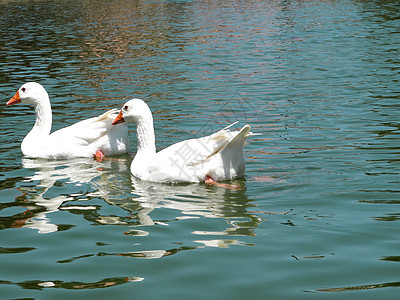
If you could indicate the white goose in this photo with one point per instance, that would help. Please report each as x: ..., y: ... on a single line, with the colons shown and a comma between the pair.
x: 92, y: 137
x: 207, y: 159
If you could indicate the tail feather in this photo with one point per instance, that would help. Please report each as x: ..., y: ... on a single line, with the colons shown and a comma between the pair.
x: 239, y: 140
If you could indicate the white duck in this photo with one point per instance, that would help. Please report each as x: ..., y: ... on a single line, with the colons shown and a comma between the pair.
x: 207, y: 159
x: 92, y: 137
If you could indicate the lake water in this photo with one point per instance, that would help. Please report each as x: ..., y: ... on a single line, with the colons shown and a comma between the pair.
x: 318, y: 212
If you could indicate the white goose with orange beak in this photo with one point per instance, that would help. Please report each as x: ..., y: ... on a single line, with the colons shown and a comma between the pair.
x: 92, y: 137
x: 208, y: 159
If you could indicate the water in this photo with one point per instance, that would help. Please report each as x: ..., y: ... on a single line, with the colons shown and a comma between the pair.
x: 317, y: 213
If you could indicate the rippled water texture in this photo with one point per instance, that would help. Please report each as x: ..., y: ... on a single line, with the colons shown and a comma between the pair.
x: 317, y: 215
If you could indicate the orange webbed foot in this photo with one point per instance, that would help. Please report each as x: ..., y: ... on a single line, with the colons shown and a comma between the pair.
x: 210, y: 181
x: 99, y: 156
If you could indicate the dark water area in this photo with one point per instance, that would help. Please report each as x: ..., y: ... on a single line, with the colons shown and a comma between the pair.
x: 318, y: 210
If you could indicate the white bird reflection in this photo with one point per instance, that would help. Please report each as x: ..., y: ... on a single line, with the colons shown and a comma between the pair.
x: 82, y: 179
x: 190, y: 201
x: 54, y: 173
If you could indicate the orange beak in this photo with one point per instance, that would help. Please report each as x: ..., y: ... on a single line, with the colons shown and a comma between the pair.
x: 14, y: 100
x: 118, y: 119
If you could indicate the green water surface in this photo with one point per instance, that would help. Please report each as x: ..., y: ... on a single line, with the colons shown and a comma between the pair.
x: 317, y: 213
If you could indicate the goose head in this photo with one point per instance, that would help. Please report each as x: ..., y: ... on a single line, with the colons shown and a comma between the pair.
x: 29, y: 93
x: 133, y: 111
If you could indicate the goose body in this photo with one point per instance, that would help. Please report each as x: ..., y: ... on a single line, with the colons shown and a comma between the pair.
x: 218, y: 156
x: 82, y: 139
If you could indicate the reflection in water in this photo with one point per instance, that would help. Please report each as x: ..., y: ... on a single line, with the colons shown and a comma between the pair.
x: 53, y: 174
x: 4, y: 250
x: 74, y: 285
x: 147, y: 254
x: 192, y: 201
x: 362, y: 287
x: 388, y: 217
x: 143, y: 200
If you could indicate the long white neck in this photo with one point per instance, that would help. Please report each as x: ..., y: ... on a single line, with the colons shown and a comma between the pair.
x: 145, y: 136
x: 42, y: 126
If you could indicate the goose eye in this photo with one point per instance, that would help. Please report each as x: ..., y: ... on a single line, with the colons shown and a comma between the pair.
x: 126, y: 107
x: 23, y: 89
